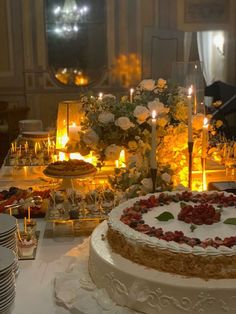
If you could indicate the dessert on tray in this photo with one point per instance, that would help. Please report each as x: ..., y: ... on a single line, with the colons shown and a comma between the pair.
x: 71, y: 167
x: 26, y: 246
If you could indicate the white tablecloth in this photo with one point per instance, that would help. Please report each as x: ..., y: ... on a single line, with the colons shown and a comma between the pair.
x: 58, y: 282
x: 35, y: 282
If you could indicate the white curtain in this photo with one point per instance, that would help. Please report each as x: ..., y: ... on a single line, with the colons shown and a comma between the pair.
x: 187, y: 45
x: 212, y: 52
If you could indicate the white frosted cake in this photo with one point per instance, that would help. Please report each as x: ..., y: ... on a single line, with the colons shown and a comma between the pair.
x: 169, y: 253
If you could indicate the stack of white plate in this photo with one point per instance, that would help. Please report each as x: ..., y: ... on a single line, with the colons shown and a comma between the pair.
x: 7, y: 279
x: 30, y: 125
x: 8, y: 236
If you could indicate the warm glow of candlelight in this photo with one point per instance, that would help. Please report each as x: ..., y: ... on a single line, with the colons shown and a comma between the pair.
x: 117, y: 163
x: 28, y: 213
x: 36, y: 148
x: 205, y: 137
x: 25, y: 171
x: 63, y: 140
x: 131, y: 92
x: 74, y: 131
x: 154, y: 114
x: 26, y: 147
x: 204, y: 181
x: 205, y: 122
x: 62, y: 156
x: 122, y: 158
x: 100, y: 95
x: 88, y: 158
x: 121, y: 162
x: 18, y: 231
x: 190, y: 91
x: 190, y: 130
x: 153, y: 158
x: 25, y: 225
x: 12, y: 148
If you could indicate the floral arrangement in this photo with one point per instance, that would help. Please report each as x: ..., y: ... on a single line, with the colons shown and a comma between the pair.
x: 112, y: 124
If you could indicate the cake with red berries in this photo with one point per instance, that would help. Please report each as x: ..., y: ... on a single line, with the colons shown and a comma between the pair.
x: 190, y: 234
x: 169, y: 253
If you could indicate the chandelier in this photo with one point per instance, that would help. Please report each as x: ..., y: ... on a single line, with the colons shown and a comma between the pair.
x: 68, y: 18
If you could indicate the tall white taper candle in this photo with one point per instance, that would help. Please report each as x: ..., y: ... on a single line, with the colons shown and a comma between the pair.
x: 204, y: 138
x: 190, y: 130
x: 153, y: 160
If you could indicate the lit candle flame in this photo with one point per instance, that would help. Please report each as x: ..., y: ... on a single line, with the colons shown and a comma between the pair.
x: 190, y: 91
x: 131, y: 91
x: 154, y: 114
x: 205, y: 123
x: 100, y: 95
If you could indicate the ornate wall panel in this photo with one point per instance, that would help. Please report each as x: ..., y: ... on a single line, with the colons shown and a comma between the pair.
x: 11, y: 62
x: 161, y: 49
x: 150, y: 43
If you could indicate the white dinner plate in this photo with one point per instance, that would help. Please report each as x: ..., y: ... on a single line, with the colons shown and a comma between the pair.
x: 7, y: 258
x: 7, y: 224
x: 6, y: 284
x: 6, y: 278
x: 36, y: 134
x: 8, y: 302
x: 8, y: 234
x: 7, y: 292
x: 7, y: 239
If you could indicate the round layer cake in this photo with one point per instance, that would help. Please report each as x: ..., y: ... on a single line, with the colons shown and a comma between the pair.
x: 71, y: 167
x: 150, y: 291
x: 189, y: 234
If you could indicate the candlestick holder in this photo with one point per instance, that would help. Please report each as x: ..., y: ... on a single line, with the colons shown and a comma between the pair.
x: 190, y: 164
x: 204, y: 183
x: 154, y: 179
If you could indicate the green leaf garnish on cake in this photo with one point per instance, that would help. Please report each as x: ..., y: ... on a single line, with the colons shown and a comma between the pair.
x: 165, y: 216
x: 182, y: 205
x: 230, y: 221
x: 193, y: 227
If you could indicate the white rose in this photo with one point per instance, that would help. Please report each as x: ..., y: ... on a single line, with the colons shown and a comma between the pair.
x: 166, y: 177
x: 124, y: 123
x: 161, y: 83
x: 108, y: 96
x: 106, y: 117
x: 147, y: 184
x: 90, y: 138
x: 182, y: 91
x: 158, y: 107
x: 141, y: 113
x: 112, y: 152
x: 147, y: 84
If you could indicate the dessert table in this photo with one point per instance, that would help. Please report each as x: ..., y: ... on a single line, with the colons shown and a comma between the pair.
x: 41, y: 279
